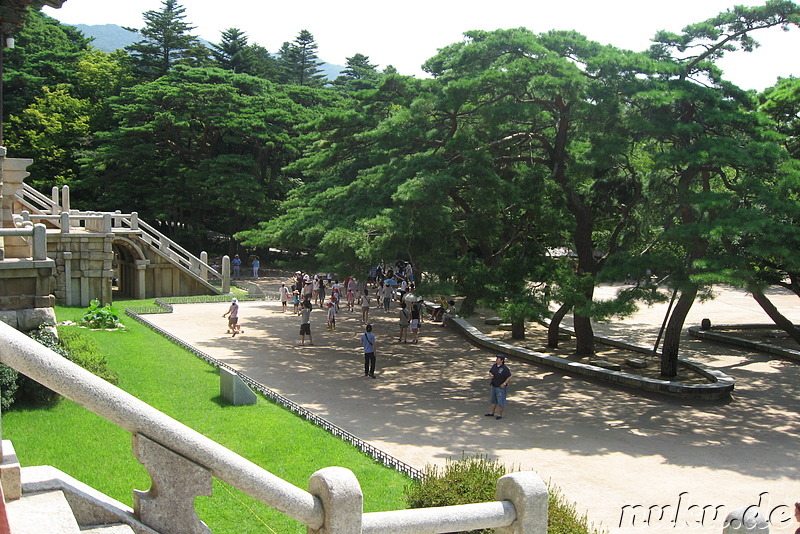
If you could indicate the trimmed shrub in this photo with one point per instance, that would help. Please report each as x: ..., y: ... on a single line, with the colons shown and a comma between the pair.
x: 82, y: 350
x: 73, y: 345
x: 472, y: 479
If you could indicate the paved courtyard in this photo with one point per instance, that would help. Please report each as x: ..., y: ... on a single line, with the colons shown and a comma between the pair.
x: 615, y: 452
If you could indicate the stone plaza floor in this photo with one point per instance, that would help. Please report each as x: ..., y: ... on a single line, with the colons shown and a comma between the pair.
x: 634, y: 462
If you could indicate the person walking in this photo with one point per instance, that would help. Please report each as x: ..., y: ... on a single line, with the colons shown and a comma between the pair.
x: 386, y: 296
x: 331, y: 316
x: 365, y: 307
x: 404, y: 319
x: 501, y: 376
x: 284, y: 292
x: 256, y: 267
x: 368, y: 340
x: 233, y: 318
x: 305, y: 321
x: 416, y: 319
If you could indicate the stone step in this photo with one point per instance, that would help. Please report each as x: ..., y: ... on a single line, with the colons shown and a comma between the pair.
x: 108, y: 529
x: 36, y: 513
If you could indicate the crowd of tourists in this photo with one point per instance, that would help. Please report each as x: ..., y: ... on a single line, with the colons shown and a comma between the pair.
x: 382, y: 289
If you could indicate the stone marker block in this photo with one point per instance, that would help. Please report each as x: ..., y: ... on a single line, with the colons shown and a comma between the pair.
x: 636, y: 363
x: 507, y: 327
x: 234, y: 390
x: 493, y: 321
x: 606, y: 365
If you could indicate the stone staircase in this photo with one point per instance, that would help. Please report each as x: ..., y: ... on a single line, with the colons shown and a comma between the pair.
x: 48, y: 512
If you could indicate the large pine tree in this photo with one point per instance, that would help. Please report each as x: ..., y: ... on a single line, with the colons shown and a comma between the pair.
x: 299, y: 63
x: 166, y: 42
x: 234, y: 53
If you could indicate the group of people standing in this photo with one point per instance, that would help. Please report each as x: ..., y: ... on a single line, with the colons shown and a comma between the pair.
x: 305, y: 291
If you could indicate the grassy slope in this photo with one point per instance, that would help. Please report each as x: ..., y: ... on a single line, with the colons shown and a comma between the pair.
x: 186, y: 388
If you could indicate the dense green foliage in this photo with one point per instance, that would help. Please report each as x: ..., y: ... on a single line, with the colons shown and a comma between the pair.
x: 525, y: 170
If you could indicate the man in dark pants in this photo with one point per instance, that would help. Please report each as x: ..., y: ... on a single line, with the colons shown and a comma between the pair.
x: 368, y: 339
x: 501, y: 376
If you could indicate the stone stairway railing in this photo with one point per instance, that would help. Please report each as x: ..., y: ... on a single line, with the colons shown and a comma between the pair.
x: 40, y: 208
x: 182, y: 462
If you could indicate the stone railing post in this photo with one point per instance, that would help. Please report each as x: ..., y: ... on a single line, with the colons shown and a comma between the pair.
x: 203, y: 268
x: 39, y: 242
x: 226, y: 274
x: 168, y: 506
x: 106, y: 223
x: 342, y: 500
x: 65, y: 198
x: 134, y: 220
x: 53, y: 209
x: 65, y: 222
x: 528, y: 494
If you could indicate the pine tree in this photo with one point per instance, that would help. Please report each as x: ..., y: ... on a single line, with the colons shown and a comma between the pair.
x: 234, y: 53
x: 358, y: 74
x: 299, y: 64
x: 231, y: 53
x: 166, y: 42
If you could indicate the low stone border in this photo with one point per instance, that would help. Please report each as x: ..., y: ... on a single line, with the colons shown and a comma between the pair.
x: 709, y: 335
x: 720, y: 388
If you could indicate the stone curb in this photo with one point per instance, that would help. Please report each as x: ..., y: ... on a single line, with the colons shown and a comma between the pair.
x: 720, y: 388
x: 708, y: 335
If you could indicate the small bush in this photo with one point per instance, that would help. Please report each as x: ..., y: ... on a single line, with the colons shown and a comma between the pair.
x: 469, y: 480
x: 30, y: 390
x: 472, y: 480
x: 73, y: 345
x: 81, y: 349
x: 8, y: 386
x: 97, y: 316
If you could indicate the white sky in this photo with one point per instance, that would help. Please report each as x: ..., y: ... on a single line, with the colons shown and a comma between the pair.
x: 405, y: 34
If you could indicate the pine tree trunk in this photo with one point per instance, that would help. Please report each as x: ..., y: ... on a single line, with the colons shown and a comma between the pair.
x: 584, y: 335
x: 777, y: 317
x: 555, y: 324
x: 518, y: 329
x: 672, y: 335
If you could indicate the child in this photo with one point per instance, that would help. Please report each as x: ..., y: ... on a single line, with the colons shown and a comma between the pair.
x: 331, y: 316
x: 296, y: 302
x: 284, y: 296
x: 351, y: 299
x: 233, y: 318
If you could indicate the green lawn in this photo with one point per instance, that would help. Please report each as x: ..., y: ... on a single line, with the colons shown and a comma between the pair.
x: 185, y: 387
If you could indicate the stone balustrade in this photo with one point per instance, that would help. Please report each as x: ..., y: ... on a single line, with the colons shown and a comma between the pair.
x: 182, y: 462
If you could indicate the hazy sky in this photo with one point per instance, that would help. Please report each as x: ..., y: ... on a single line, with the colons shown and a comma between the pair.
x: 405, y: 34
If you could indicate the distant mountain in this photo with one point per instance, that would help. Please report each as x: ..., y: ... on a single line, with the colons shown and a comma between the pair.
x: 111, y: 37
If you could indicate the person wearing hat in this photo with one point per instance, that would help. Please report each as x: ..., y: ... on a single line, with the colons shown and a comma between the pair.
x: 233, y: 318
x: 305, y: 321
x: 501, y: 376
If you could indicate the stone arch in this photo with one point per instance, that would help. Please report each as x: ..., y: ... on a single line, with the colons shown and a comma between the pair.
x: 129, y: 265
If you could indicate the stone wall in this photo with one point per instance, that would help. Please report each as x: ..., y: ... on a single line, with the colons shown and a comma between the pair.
x: 84, y: 267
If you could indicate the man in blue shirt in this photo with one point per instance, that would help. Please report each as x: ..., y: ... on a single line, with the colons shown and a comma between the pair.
x: 368, y: 340
x: 501, y: 376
